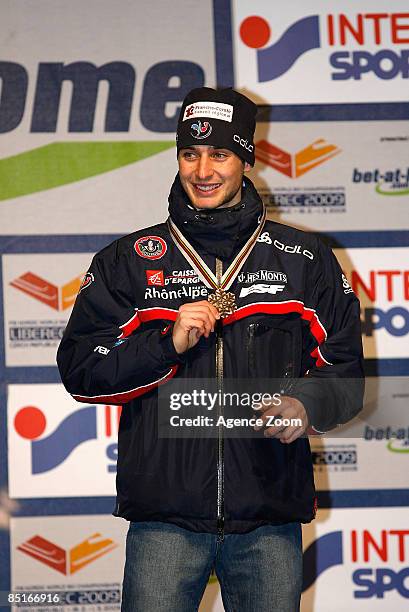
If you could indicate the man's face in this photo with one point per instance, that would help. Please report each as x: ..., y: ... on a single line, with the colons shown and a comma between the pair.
x: 212, y: 177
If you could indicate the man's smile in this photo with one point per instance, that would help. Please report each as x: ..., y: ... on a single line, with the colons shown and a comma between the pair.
x: 205, y: 188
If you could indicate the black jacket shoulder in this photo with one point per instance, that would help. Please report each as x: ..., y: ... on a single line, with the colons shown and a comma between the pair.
x: 113, y: 251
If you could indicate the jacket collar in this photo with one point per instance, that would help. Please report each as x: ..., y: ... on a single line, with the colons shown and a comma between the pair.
x: 220, y: 232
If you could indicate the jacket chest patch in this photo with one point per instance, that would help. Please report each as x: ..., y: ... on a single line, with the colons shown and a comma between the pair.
x: 270, y: 282
x: 183, y: 293
x: 262, y: 275
x: 160, y: 278
x: 150, y: 247
x: 261, y: 288
x: 174, y: 285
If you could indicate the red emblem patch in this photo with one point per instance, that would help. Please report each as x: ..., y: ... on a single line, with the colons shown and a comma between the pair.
x: 150, y: 247
x: 87, y: 280
x: 155, y: 278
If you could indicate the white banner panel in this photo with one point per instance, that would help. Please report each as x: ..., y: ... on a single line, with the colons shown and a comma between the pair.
x: 334, y: 176
x: 344, y: 458
x: 55, y: 442
x: 39, y: 291
x: 380, y: 279
x: 79, y: 558
x: 356, y: 559
x: 319, y: 53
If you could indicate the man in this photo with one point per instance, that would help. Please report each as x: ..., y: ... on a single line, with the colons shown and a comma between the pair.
x: 216, y: 292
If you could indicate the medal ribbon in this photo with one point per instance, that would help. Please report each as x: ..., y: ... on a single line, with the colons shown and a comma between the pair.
x: 203, y: 271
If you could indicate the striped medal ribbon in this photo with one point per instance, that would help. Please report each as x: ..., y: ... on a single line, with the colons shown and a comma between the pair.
x: 223, y: 299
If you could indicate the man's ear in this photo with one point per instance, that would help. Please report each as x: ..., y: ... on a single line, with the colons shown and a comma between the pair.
x: 247, y: 166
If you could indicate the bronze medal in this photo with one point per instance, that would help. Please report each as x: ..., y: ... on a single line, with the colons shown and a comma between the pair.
x: 224, y: 301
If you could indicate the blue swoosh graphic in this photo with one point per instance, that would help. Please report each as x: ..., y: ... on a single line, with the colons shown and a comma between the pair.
x: 322, y: 554
x: 300, y: 37
x: 49, y: 452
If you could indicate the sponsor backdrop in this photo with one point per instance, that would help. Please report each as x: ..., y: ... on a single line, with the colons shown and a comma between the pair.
x: 90, y: 94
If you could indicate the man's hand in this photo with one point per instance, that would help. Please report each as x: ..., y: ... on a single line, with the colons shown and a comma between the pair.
x: 290, y: 408
x: 194, y: 320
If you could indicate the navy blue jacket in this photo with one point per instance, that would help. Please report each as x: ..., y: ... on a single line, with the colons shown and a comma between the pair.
x: 297, y: 318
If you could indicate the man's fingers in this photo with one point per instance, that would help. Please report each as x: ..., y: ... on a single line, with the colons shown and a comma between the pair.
x: 202, y: 305
x: 287, y: 423
x: 202, y: 315
x: 205, y: 315
x: 202, y: 309
x: 194, y: 335
x: 273, y: 408
x: 268, y: 421
x: 198, y: 321
x: 273, y: 431
x: 193, y: 322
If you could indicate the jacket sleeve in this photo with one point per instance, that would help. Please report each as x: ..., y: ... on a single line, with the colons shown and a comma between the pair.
x: 105, y: 356
x: 332, y: 389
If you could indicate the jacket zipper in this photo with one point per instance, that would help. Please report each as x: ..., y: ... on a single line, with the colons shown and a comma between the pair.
x: 251, y: 330
x: 220, y: 439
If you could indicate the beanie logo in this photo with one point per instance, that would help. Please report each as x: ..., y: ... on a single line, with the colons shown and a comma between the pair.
x: 210, y: 110
x: 243, y: 143
x: 189, y: 111
x: 200, y: 130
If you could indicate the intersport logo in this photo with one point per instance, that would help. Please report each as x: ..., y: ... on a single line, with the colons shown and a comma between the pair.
x: 376, y: 43
x: 57, y: 298
x: 384, y: 296
x: 375, y: 559
x: 69, y: 561
x: 52, y: 449
x: 295, y: 165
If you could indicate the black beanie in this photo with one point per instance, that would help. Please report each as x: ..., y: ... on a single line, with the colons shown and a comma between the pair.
x: 222, y: 118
